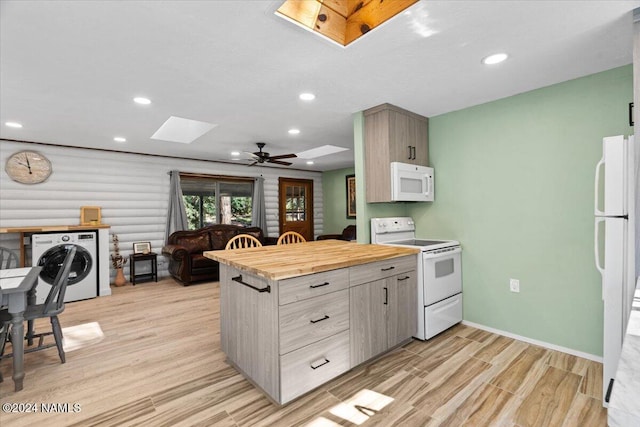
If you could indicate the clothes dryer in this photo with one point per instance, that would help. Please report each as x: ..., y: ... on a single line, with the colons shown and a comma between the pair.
x: 49, y: 251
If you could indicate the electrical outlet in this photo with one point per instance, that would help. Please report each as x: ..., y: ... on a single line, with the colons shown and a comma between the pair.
x: 514, y: 285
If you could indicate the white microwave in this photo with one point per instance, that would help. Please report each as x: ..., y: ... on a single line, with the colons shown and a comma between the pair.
x: 411, y: 183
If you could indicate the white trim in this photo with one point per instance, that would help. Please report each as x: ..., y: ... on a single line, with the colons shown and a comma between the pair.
x: 544, y: 344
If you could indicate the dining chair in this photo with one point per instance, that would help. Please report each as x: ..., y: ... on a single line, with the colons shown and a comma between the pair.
x: 291, y: 237
x: 51, y: 308
x: 8, y: 258
x: 242, y: 241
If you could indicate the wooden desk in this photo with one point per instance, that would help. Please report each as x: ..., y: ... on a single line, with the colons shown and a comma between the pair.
x: 15, y: 284
x: 46, y: 229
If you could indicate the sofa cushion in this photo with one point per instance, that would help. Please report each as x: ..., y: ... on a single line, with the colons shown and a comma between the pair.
x: 220, y: 237
x: 195, y: 243
x: 200, y: 261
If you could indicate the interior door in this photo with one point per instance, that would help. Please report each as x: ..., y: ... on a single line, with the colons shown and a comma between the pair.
x: 296, y: 206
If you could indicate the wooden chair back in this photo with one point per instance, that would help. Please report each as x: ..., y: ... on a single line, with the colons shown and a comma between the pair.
x: 242, y: 241
x: 291, y: 237
x: 55, y: 299
x: 8, y: 259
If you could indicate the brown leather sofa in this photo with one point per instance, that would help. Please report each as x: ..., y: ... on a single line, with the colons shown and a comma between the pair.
x: 349, y: 233
x: 184, y: 250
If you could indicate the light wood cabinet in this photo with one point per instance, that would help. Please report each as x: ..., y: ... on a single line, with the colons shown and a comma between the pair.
x: 383, y: 311
x: 391, y: 134
x: 291, y: 335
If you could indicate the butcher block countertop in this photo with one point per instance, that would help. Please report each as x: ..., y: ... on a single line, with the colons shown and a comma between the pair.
x: 299, y: 259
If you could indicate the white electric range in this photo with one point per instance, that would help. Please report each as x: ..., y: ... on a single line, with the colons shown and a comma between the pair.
x: 439, y: 273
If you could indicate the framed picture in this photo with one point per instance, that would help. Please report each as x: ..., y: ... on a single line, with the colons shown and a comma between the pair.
x: 351, y: 196
x: 141, y: 247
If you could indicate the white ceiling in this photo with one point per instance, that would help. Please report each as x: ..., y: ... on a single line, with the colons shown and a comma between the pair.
x: 69, y: 69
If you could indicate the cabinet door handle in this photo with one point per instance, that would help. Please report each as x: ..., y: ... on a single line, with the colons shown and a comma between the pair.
x: 413, y: 157
x: 324, y: 362
x: 387, y: 269
x: 403, y: 278
x: 409, y: 156
x: 320, y: 320
x: 319, y: 286
x: 386, y: 296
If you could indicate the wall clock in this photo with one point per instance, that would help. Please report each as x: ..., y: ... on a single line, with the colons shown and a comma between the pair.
x: 28, y: 167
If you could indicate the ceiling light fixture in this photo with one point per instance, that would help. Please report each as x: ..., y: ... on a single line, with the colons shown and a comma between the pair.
x: 13, y: 125
x: 309, y: 162
x: 235, y: 153
x: 494, y: 59
x: 142, y: 101
x: 307, y: 96
x: 294, y: 131
x: 120, y: 139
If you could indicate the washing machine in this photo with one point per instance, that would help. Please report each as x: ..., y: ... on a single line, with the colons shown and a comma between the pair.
x: 49, y: 251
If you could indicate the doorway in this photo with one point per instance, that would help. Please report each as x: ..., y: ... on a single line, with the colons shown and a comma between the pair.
x: 295, y: 202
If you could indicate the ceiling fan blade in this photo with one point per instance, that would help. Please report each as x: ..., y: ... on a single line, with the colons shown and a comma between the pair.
x: 278, y: 162
x: 284, y: 156
x: 252, y: 164
x: 251, y: 155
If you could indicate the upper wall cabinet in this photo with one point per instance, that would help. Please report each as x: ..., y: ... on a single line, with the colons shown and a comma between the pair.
x: 391, y: 134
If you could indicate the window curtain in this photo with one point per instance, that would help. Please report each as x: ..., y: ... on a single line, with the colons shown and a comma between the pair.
x: 176, y: 215
x: 258, y: 211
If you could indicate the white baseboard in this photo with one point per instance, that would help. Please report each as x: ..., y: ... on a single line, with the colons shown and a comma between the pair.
x: 573, y: 352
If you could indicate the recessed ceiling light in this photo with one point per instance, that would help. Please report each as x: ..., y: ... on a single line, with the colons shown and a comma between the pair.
x: 142, y: 101
x: 13, y: 125
x: 235, y: 153
x: 120, y: 139
x: 494, y: 59
x: 309, y: 162
x: 307, y: 96
x: 294, y: 131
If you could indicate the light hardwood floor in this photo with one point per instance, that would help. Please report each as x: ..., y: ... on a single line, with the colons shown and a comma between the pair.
x: 160, y: 364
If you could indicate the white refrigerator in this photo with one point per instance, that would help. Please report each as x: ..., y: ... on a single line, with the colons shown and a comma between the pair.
x: 616, y: 187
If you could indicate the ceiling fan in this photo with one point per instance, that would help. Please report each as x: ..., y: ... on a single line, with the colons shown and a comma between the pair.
x: 262, y: 157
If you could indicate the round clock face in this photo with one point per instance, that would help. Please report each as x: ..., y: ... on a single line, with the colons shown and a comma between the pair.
x: 28, y: 167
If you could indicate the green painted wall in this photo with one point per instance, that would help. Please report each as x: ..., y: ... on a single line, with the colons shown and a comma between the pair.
x: 514, y: 183
x: 334, y: 190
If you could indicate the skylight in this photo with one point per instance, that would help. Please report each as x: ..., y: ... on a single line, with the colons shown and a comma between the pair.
x: 325, y: 150
x: 342, y: 21
x: 185, y: 131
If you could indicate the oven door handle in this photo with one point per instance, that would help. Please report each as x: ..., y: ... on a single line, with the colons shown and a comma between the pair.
x: 427, y: 255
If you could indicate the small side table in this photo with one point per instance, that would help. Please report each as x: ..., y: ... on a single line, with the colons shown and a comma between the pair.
x: 144, y: 277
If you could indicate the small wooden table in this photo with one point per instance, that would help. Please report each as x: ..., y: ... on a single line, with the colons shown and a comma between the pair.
x: 143, y: 277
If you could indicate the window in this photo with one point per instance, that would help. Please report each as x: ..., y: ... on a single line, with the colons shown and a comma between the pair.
x: 216, y: 201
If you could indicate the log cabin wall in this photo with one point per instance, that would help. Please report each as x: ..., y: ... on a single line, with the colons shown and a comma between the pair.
x: 132, y: 189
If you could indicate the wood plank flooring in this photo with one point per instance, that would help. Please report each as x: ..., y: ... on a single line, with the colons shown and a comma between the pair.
x: 159, y: 363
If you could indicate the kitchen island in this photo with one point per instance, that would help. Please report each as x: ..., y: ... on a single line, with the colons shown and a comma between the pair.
x: 295, y: 316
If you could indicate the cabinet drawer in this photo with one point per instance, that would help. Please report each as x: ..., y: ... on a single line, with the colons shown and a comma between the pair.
x: 312, y: 285
x: 313, y: 319
x: 382, y: 269
x: 442, y: 315
x: 307, y: 368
